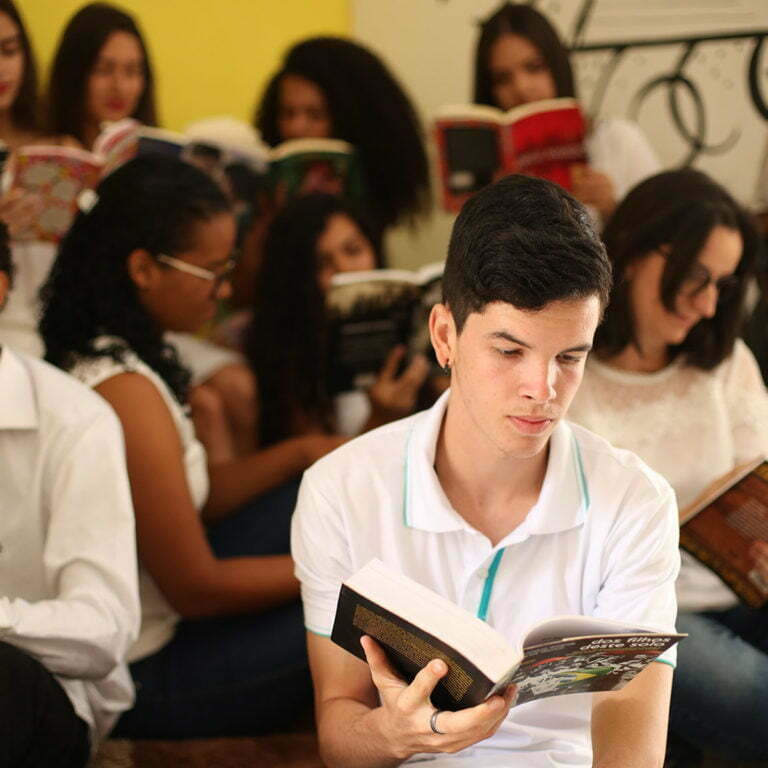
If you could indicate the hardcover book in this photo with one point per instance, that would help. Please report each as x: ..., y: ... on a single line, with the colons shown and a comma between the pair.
x: 557, y: 656
x: 721, y: 525
x: 478, y: 144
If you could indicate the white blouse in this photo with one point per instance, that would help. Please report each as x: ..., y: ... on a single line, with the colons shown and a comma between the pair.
x: 690, y: 425
x: 158, y: 619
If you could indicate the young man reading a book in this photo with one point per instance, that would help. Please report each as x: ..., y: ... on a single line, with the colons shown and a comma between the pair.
x: 491, y: 499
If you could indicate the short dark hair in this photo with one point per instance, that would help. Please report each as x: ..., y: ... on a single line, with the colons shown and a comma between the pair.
x: 78, y: 49
x: 6, y: 262
x: 24, y: 108
x: 524, y: 241
x: 676, y: 209
x: 151, y: 202
x: 527, y: 22
x: 369, y: 109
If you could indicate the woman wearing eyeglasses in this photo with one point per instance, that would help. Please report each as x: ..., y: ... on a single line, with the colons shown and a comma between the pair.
x: 670, y: 380
x: 221, y: 650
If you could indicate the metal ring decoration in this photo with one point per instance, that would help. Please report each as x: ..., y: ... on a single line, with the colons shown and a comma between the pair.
x: 433, y: 723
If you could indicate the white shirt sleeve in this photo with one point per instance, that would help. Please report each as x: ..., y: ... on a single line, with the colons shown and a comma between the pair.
x: 321, y: 555
x: 621, y: 150
x: 89, y: 554
x: 640, y: 564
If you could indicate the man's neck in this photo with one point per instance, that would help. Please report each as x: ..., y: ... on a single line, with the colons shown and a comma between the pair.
x: 493, y: 492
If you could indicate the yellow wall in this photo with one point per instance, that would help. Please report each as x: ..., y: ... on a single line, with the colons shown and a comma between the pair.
x: 210, y: 57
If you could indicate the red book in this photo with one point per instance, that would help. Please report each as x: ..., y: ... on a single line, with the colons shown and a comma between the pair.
x: 478, y: 144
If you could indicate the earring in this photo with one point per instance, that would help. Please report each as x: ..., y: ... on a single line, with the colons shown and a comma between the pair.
x: 447, y: 368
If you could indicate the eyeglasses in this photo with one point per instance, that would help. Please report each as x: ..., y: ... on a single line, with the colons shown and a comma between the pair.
x: 699, y: 278
x: 216, y: 278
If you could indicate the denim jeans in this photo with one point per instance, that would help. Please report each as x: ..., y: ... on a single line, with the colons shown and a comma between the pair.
x: 720, y: 688
x: 235, y: 675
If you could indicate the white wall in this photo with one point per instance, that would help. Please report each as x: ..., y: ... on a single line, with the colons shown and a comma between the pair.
x: 429, y: 45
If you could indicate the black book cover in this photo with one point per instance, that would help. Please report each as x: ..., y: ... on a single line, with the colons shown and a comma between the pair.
x: 409, y: 648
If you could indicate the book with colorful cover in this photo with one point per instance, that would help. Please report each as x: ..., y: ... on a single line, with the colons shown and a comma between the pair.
x: 59, y: 174
x: 721, y: 525
x: 557, y: 656
x: 478, y: 144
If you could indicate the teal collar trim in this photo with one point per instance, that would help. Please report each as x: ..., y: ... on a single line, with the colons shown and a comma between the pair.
x: 406, y: 523
x: 482, y: 610
x: 579, y: 469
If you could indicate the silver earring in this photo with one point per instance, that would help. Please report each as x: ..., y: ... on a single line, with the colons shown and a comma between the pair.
x: 447, y: 369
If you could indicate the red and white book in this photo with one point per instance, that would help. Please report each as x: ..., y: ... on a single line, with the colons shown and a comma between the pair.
x: 478, y: 144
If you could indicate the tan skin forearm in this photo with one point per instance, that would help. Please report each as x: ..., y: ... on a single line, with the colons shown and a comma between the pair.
x: 360, y: 743
x: 235, y: 585
x: 629, y: 727
x: 235, y: 482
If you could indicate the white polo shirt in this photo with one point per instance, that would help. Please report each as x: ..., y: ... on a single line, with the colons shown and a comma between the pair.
x: 600, y: 541
x: 68, y: 586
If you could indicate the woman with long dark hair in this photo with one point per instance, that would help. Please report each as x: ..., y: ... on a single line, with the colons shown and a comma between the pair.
x: 220, y: 615
x: 310, y: 240
x: 329, y: 87
x: 670, y: 380
x: 101, y: 72
x: 520, y: 59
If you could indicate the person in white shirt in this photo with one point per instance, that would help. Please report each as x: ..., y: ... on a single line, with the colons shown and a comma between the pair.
x: 670, y: 381
x: 69, y: 606
x: 493, y: 500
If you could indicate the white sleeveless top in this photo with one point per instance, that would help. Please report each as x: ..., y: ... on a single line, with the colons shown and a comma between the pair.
x: 158, y: 619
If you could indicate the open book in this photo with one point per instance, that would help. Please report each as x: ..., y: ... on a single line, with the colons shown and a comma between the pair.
x: 719, y: 527
x: 301, y: 166
x: 370, y: 312
x: 478, y: 144
x: 564, y: 654
x: 59, y: 174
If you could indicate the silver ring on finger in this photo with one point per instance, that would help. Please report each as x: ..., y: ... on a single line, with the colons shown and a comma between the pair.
x: 433, y: 723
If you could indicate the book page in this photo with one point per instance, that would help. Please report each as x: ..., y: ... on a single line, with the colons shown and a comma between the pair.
x: 560, y: 627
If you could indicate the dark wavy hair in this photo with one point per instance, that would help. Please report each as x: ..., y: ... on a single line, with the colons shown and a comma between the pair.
x: 677, y: 210
x: 524, y: 241
x: 78, y: 50
x: 286, y: 344
x: 24, y: 109
x: 370, y: 110
x: 527, y: 22
x: 152, y: 203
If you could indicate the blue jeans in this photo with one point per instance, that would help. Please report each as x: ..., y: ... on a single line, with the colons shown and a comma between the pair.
x: 720, y: 688
x: 236, y: 675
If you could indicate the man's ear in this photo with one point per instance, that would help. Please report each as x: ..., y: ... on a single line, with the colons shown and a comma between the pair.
x: 442, y: 332
x: 5, y: 288
x: 142, y: 268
